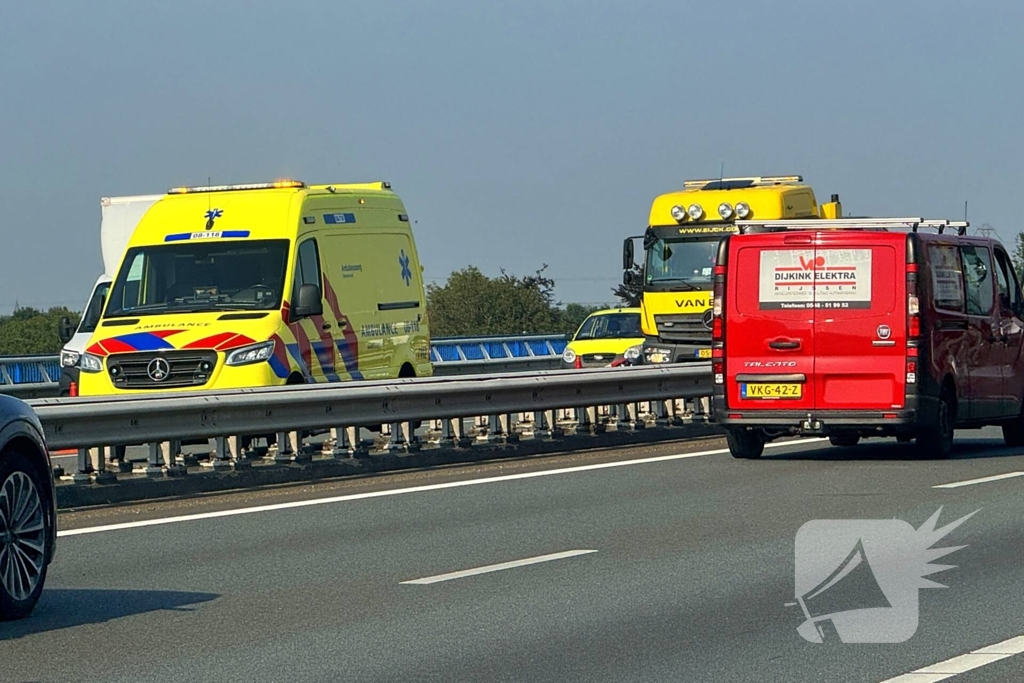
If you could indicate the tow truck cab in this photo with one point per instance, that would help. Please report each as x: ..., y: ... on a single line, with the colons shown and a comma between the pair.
x: 865, y: 327
x: 680, y: 244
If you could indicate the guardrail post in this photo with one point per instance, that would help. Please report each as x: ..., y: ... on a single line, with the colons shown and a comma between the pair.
x: 340, y: 447
x: 449, y: 434
x: 103, y: 475
x: 495, y: 432
x: 171, y: 450
x: 463, y: 440
x: 395, y: 437
x: 155, y: 461
x: 284, y: 452
x: 541, y: 426
x: 506, y: 421
x: 303, y: 450
x: 84, y: 473
x: 223, y: 453
x: 412, y: 440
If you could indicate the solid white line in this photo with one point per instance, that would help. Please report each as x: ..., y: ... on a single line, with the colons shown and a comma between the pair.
x: 983, y: 480
x: 498, y: 567
x: 976, y: 659
x: 412, y: 489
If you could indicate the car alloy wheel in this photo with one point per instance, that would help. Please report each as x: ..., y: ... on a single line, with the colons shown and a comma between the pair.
x: 22, y: 536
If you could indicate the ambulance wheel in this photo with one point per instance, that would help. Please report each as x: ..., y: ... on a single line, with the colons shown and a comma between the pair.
x: 937, y: 442
x: 844, y: 440
x: 744, y: 443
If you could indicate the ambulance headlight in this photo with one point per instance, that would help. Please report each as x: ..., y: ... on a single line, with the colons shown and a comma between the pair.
x: 90, y: 363
x: 569, y: 356
x: 247, y: 355
x: 679, y: 213
x: 69, y: 359
x: 725, y: 210
x: 695, y: 211
x: 742, y: 210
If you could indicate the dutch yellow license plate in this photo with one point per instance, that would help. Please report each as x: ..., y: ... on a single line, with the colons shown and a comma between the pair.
x: 771, y: 390
x: 703, y: 353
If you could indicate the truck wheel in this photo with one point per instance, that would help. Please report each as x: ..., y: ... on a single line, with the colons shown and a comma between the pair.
x: 844, y: 440
x: 744, y: 443
x: 23, y: 537
x: 937, y: 442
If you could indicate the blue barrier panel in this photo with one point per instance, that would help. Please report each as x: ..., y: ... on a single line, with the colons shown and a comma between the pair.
x: 495, y: 349
x: 559, y: 345
x: 447, y: 352
x: 518, y: 349
x: 26, y: 373
x: 472, y: 351
x: 539, y: 348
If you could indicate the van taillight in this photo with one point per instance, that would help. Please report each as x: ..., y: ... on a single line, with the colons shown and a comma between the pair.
x: 717, y: 303
x: 913, y: 304
x: 913, y: 323
x: 718, y: 368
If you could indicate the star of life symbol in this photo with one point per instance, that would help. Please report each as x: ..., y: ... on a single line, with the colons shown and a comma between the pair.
x: 857, y: 580
x: 211, y: 215
x: 403, y: 260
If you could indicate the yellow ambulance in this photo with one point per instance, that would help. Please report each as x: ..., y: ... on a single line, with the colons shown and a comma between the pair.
x: 266, y: 284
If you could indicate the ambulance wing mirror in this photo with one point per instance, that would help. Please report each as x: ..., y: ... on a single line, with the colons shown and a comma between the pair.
x: 309, y: 303
x: 65, y: 330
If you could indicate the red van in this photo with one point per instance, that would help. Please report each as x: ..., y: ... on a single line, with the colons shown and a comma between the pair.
x: 858, y: 328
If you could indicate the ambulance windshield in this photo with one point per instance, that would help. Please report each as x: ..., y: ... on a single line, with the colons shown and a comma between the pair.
x: 189, y: 277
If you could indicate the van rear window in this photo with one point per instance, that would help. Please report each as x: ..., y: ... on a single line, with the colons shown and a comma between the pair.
x: 947, y: 277
x: 807, y: 278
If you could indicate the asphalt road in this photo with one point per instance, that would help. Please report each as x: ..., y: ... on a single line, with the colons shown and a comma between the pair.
x: 690, y: 574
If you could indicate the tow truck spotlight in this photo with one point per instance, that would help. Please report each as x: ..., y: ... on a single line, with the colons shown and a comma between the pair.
x: 725, y: 210
x: 696, y: 211
x: 679, y: 213
x: 742, y: 210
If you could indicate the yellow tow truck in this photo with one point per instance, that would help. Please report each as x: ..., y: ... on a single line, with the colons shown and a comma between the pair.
x: 680, y: 248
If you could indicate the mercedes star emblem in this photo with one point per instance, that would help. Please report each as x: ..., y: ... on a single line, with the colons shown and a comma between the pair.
x: 708, y: 318
x: 158, y: 369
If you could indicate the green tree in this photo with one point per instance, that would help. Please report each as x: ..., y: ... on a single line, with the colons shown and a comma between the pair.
x: 29, y: 331
x: 631, y: 294
x: 1018, y: 256
x: 472, y: 304
x: 573, y: 316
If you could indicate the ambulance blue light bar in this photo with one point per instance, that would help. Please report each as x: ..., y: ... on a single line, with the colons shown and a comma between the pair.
x: 276, y: 185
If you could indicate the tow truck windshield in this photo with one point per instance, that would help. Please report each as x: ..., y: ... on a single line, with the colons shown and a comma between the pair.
x: 195, y: 277
x: 687, y: 262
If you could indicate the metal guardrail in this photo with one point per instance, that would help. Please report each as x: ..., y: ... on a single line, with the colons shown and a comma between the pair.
x: 39, y: 376
x: 29, y: 376
x: 94, y: 425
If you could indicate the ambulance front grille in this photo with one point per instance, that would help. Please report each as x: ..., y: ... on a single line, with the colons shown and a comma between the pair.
x: 177, y: 369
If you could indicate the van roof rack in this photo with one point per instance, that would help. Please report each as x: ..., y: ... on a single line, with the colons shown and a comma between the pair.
x: 914, y: 223
x: 741, y: 182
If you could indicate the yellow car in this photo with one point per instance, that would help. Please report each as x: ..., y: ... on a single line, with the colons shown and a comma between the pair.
x: 604, y: 338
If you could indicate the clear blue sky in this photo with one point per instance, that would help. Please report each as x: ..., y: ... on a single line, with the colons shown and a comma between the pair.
x: 517, y: 133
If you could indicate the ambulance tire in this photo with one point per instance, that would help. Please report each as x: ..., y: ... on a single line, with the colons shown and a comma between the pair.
x: 936, y: 442
x: 745, y: 444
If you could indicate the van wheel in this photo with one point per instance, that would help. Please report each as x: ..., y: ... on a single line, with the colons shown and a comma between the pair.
x: 745, y: 443
x: 937, y: 442
x: 844, y: 440
x: 1013, y: 431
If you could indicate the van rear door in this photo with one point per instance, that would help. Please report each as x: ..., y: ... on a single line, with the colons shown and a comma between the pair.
x: 769, y: 331
x: 860, y: 327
